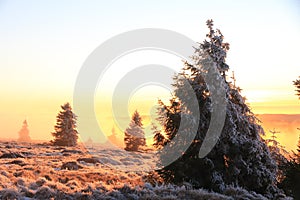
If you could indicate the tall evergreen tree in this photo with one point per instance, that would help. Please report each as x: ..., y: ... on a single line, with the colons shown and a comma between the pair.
x: 65, y: 129
x: 24, y: 133
x: 134, y: 135
x: 240, y: 157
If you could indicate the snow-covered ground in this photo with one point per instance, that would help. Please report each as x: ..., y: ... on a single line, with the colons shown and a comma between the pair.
x: 36, y: 171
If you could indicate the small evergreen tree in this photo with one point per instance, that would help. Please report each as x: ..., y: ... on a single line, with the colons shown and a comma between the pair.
x: 114, y: 138
x: 24, y: 133
x: 278, y: 153
x: 65, y: 129
x: 89, y: 142
x: 291, y: 182
x: 169, y: 117
x: 297, y: 85
x: 134, y: 134
x: 159, y: 139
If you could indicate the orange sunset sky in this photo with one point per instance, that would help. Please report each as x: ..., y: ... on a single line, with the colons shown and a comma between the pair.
x: 44, y: 44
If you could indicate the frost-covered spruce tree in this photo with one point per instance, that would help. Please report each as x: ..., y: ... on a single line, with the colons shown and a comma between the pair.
x: 65, y: 133
x: 240, y: 157
x: 134, y: 136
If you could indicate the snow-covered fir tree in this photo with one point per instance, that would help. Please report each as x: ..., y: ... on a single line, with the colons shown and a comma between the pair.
x: 134, y: 135
x: 240, y: 157
x: 65, y: 129
x: 24, y: 133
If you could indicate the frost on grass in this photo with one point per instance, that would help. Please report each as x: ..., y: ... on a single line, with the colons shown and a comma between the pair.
x: 45, y: 172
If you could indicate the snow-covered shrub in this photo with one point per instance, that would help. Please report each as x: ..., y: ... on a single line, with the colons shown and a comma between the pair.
x: 44, y: 193
x: 8, y: 194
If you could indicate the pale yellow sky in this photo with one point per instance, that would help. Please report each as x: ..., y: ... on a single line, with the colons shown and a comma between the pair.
x: 44, y: 44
